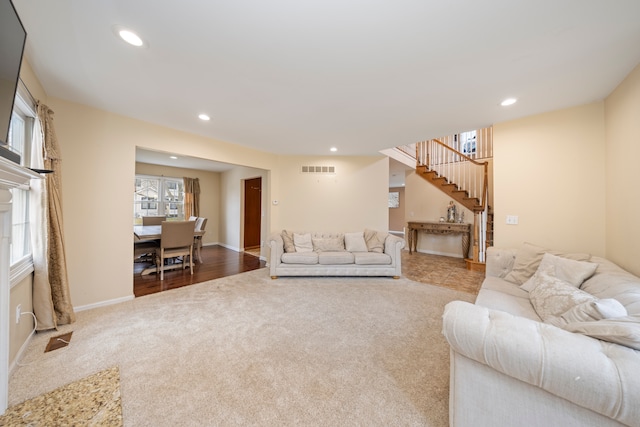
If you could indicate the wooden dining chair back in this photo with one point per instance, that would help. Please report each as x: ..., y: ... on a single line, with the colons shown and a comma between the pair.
x: 201, y: 223
x: 176, y: 240
x: 153, y: 220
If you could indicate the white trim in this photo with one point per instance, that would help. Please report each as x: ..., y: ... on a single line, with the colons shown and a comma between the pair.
x: 13, y: 175
x: 103, y: 303
x: 233, y: 248
x: 451, y: 255
x: 5, y: 236
x: 20, y: 270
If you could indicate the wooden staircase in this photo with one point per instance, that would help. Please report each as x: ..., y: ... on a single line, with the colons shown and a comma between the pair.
x: 450, y: 188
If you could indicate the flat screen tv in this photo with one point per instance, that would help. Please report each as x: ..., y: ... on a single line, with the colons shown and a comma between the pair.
x: 12, y: 40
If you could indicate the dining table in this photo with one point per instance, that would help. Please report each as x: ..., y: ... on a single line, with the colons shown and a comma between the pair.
x: 154, y: 232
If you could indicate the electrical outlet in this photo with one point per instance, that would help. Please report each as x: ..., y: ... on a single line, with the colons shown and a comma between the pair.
x: 18, y: 313
x: 512, y: 219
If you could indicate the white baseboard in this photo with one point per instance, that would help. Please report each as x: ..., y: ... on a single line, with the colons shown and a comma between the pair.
x: 452, y: 255
x: 103, y: 303
x: 233, y: 248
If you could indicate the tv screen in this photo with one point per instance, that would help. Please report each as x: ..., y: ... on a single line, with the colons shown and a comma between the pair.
x: 12, y: 40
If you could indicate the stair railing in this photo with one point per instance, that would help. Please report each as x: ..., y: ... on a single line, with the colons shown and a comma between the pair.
x: 468, y: 174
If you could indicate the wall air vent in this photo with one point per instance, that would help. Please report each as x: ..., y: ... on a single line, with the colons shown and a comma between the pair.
x: 318, y: 169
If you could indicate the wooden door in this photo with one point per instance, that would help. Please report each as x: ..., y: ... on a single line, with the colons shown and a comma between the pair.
x: 252, y: 212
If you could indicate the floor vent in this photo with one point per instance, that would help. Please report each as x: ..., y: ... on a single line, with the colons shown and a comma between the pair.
x: 58, y: 342
x: 318, y: 169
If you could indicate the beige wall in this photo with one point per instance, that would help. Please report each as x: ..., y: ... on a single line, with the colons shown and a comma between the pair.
x: 396, y: 215
x: 354, y: 198
x: 18, y: 333
x: 549, y: 170
x: 209, y: 193
x: 622, y: 115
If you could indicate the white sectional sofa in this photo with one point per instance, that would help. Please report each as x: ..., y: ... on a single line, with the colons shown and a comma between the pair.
x: 562, y: 351
x: 362, y: 253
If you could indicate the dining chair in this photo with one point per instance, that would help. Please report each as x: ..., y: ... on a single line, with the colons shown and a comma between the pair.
x: 201, y: 223
x: 153, y: 220
x: 176, y: 240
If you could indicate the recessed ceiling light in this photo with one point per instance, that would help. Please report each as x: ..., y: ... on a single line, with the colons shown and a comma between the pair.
x: 173, y: 157
x: 333, y: 149
x: 129, y: 36
x: 508, y: 101
x: 204, y: 117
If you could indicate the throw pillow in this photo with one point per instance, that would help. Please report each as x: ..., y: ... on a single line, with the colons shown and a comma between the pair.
x: 590, y: 311
x: 354, y: 242
x: 571, y: 271
x: 302, y: 242
x: 528, y: 258
x: 552, y: 296
x: 623, y: 330
x: 333, y: 244
x: 374, y: 240
x: 287, y: 238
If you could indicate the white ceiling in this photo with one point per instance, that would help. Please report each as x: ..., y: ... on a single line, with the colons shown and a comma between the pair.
x: 291, y: 76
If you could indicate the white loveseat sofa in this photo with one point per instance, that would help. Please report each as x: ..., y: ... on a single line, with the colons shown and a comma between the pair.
x: 578, y: 367
x: 365, y: 253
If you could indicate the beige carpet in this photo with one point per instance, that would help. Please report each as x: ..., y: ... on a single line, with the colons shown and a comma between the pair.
x: 248, y: 350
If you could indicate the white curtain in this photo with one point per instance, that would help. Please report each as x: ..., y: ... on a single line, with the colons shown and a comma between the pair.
x: 38, y: 208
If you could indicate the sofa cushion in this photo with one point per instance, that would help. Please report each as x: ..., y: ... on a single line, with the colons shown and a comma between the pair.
x: 590, y: 311
x: 611, y: 281
x: 528, y: 258
x: 371, y: 258
x: 621, y: 330
x: 552, y: 296
x: 287, y: 238
x: 331, y: 258
x: 302, y: 242
x: 375, y: 240
x: 309, y: 258
x: 498, y: 294
x: 571, y: 271
x: 354, y: 242
x: 330, y: 244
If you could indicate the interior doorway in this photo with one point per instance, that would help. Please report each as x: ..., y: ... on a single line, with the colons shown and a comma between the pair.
x: 252, y: 212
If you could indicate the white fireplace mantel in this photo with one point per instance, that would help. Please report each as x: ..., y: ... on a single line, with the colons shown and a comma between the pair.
x: 13, y: 175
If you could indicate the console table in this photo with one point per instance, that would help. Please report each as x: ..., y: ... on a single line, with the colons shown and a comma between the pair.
x: 440, y: 228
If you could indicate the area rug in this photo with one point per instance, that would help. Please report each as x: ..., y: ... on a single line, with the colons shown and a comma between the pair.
x: 94, y: 400
x: 249, y: 350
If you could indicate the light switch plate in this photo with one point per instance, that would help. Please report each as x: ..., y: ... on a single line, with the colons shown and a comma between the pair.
x: 512, y: 219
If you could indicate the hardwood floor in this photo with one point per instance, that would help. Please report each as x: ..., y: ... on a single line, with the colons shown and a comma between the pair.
x: 217, y: 262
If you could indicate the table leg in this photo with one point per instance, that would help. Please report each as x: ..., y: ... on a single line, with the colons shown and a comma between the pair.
x: 410, y: 240
x: 465, y: 244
